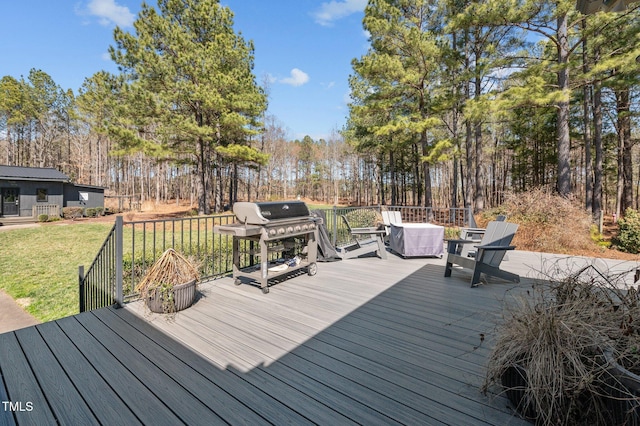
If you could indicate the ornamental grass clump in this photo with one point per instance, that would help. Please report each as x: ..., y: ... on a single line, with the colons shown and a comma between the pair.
x: 170, y: 270
x: 558, y: 348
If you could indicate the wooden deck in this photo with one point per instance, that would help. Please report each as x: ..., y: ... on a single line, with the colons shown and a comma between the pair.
x: 365, y: 341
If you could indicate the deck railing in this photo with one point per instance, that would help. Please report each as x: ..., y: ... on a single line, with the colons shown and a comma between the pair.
x: 132, y: 247
x: 102, y: 284
x: 51, y: 210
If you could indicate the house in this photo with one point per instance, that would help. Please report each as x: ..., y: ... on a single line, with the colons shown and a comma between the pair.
x: 30, y: 191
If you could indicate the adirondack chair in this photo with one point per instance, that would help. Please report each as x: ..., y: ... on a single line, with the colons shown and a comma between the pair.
x: 476, y: 235
x: 364, y: 241
x: 390, y: 218
x: 489, y: 253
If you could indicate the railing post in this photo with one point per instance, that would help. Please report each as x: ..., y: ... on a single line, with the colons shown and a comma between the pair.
x: 335, y: 225
x: 81, y: 287
x: 471, y: 219
x: 119, y: 261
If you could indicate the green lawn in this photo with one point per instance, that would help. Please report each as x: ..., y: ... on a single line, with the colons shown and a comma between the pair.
x: 40, y: 265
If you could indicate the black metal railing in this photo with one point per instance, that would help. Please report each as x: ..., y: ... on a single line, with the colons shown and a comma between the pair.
x: 101, y: 285
x: 193, y: 237
x: 132, y: 247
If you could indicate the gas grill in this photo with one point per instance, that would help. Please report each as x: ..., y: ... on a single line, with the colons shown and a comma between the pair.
x: 279, y: 229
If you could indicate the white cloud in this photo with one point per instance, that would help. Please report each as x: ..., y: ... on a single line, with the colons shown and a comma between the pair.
x: 108, y: 12
x: 297, y: 78
x: 334, y: 10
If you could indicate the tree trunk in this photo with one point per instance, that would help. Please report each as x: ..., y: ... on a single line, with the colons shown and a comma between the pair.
x: 201, y: 193
x: 468, y: 190
x: 597, y: 142
x: 624, y: 134
x: 564, y: 141
x: 428, y: 196
x: 477, y: 136
x: 586, y: 105
x: 394, y: 180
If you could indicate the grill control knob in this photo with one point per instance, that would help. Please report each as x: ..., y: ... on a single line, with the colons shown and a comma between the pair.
x: 312, y: 226
x: 305, y: 227
x: 297, y: 228
x: 281, y: 231
x: 290, y: 229
x: 272, y: 232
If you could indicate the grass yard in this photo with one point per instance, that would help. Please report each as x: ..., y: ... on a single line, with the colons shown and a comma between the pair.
x: 39, y: 266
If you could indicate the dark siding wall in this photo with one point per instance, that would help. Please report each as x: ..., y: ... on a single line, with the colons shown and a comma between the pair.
x: 72, y: 196
x: 28, y: 191
x: 58, y: 193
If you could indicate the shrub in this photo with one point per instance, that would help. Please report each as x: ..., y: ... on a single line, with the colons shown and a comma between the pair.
x: 597, y: 237
x: 90, y: 212
x: 99, y: 211
x: 451, y: 233
x: 548, y: 222
x: 72, y: 212
x: 628, y: 238
x: 363, y: 218
x: 43, y: 218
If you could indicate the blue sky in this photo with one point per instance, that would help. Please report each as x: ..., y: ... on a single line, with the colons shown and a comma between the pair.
x: 303, y: 48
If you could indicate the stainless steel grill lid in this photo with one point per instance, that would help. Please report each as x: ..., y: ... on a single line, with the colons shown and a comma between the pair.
x: 263, y: 213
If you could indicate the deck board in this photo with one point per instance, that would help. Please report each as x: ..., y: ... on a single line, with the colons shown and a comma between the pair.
x: 157, y: 378
x: 365, y: 341
x: 22, y: 386
x: 207, y: 392
x: 227, y: 379
x: 102, y: 399
x: 141, y: 402
x: 63, y: 398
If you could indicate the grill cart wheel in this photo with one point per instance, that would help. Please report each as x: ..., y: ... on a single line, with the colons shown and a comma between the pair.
x: 265, y: 290
x: 312, y: 269
x: 237, y: 281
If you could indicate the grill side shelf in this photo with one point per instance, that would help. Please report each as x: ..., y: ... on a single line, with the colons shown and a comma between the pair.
x: 238, y: 229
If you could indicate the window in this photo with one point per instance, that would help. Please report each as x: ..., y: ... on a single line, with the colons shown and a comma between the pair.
x: 42, y: 195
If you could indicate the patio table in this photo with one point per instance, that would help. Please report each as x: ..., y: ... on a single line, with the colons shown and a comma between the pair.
x: 417, y: 239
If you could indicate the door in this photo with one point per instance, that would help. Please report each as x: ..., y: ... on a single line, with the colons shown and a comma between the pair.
x: 10, y: 201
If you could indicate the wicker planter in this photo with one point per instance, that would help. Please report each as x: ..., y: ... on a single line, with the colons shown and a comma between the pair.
x: 623, y: 394
x: 620, y: 395
x: 514, y: 381
x: 179, y: 297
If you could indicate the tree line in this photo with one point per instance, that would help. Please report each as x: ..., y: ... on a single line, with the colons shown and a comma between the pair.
x: 454, y: 104
x: 484, y: 97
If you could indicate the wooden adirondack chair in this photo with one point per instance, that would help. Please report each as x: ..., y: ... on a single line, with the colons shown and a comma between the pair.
x: 489, y: 253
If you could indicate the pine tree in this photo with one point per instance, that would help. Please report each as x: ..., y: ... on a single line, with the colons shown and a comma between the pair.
x: 191, y: 89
